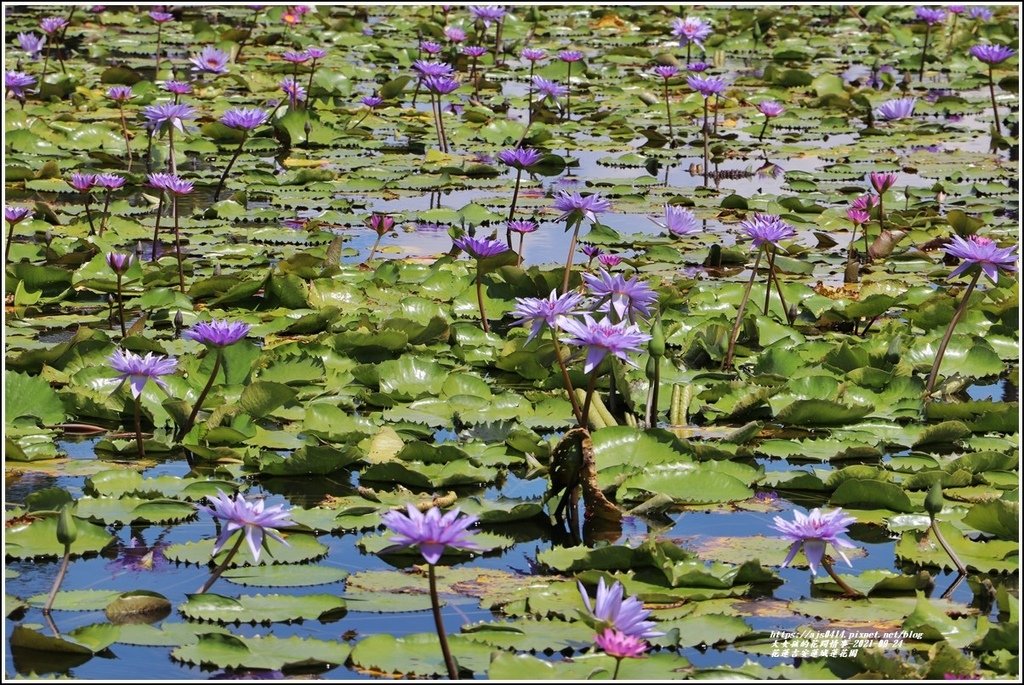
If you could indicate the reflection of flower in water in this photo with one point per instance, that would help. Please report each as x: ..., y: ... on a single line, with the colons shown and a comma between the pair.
x: 769, y: 170
x: 137, y: 557
x: 767, y: 496
x: 430, y: 227
x: 248, y: 674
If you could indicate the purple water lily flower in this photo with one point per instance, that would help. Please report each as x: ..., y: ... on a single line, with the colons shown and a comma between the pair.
x: 522, y: 226
x: 979, y: 252
x: 666, y: 71
x: 882, y: 181
x: 381, y: 223
x: 83, y: 183
x: 680, y: 221
x: 430, y: 47
x: 578, y: 207
x: 480, y: 248
x: 120, y: 93
x: 454, y: 34
x: 110, y: 181
x: 16, y: 83
x: 431, y: 533
x: 900, y: 108
x: 570, y: 55
x: 767, y: 228
x: 617, y: 644
x: 956, y: 9
x: 293, y: 57
x: 547, y: 311
x: 864, y: 202
x: 859, y: 217
x: 628, y: 298
x: 217, y: 332
x: 474, y: 51
x: 624, y: 614
x: 210, y: 60
x: 178, y: 87
x: 487, y: 13
x: 533, y: 54
x: 601, y: 338
x: 930, y: 15
x: 609, y: 261
x: 698, y: 67
x: 979, y: 13
x: 161, y: 17
x: 427, y: 68
x: 691, y: 30
x: 295, y: 92
x: 119, y: 262
x: 441, y: 85
x: 813, y: 532
x: 168, y: 114
x: 13, y: 214
x: 244, y: 118
x: 372, y: 101
x: 316, y: 53
x: 591, y: 251
x: 770, y: 108
x: 136, y: 370
x: 51, y: 25
x: 549, y: 89
x: 255, y: 520
x: 31, y: 44
x: 707, y: 85
x: 991, y: 54
x: 520, y: 157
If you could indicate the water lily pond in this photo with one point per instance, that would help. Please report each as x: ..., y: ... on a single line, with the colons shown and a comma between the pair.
x: 515, y: 342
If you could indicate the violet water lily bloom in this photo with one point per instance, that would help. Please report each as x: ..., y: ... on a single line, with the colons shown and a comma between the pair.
x: 570, y: 55
x: 930, y: 15
x: 813, y: 532
x: 427, y: 68
x: 691, y: 30
x: 295, y: 92
x: 161, y: 17
x: 591, y: 251
x: 430, y: 47
x: 16, y: 83
x: 991, y: 54
x: 110, y: 181
x: 175, y: 185
x: 256, y: 521
x: 533, y: 54
x: 578, y: 207
x: 707, y: 85
x: 372, y: 101
x: 244, y: 118
x: 520, y: 157
x: 83, y: 183
x: 454, y: 34
x: 316, y: 53
x: 480, y: 248
x: 680, y: 221
x: 51, y: 25
x: 864, y: 202
x: 137, y: 370
x: 979, y: 252
x: 14, y: 214
x: 900, y: 108
x: 628, y: 298
x: 31, y: 44
x: 609, y: 261
x: 666, y: 71
x: 168, y: 114
x: 858, y: 216
x: 178, y: 87
x: 118, y: 262
x: 617, y: 644
x: 210, y: 60
x: 550, y: 311
x: 522, y: 226
x: 487, y: 13
x: 217, y: 332
x: 979, y: 13
x: 441, y: 85
x: 698, y: 67
x: 431, y: 533
x: 881, y: 181
x: 475, y: 51
x: 294, y: 57
x: 770, y: 108
x: 601, y: 338
x: 624, y: 614
x: 767, y: 228
x: 381, y: 223
x: 549, y: 89
x: 120, y: 93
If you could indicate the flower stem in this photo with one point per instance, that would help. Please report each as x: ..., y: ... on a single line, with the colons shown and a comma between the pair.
x: 227, y: 169
x: 995, y: 109
x: 924, y: 51
x: 881, y: 218
x: 156, y: 69
x: 512, y: 209
x: 568, y: 259
x: 374, y: 248
x: 529, y: 101
x: 480, y: 299
x: 519, y: 260
x: 618, y: 663
x: 474, y: 79
x: 949, y: 333
x: 827, y: 565
x: 668, y: 113
x: 46, y: 64
x: 705, y: 130
x: 760, y: 136
x: 156, y: 226
x: 577, y: 412
x: 187, y: 426
x: 88, y: 214
x: 177, y: 242
x: 7, y: 246
x: 435, y: 606
x: 103, y: 217
x: 124, y: 132
x: 652, y: 394
x: 172, y: 165
x: 61, y: 572
x: 440, y: 123
x: 949, y: 550
x: 222, y: 566
x: 309, y: 86
x: 952, y: 33
x: 727, y: 362
x: 120, y: 306
x: 437, y: 125
x: 591, y: 385
x: 568, y: 90
x: 138, y: 427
